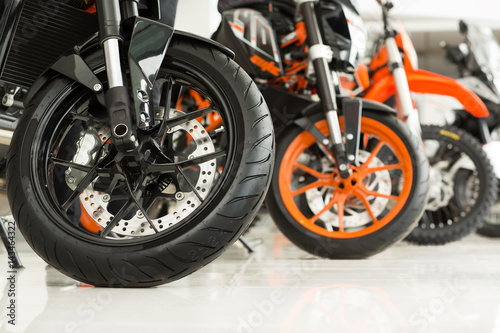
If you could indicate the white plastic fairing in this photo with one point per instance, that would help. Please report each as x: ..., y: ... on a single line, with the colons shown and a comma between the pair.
x: 492, y: 149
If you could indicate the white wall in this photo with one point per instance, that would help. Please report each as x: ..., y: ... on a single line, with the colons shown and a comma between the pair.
x: 201, y: 16
x: 437, y: 15
x: 197, y: 16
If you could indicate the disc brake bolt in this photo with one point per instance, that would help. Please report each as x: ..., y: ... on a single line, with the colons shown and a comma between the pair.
x: 351, y: 157
x: 97, y: 87
x: 179, y: 196
x: 342, y: 167
x: 71, y: 180
x: 105, y: 198
x: 140, y: 214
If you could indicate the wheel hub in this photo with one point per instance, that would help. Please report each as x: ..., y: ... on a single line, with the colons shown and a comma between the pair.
x: 441, y: 188
x: 355, y: 214
x: 346, y: 185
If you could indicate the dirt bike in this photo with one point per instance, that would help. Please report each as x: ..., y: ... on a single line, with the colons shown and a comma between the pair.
x: 350, y: 179
x: 463, y: 182
x: 107, y: 180
x: 477, y: 60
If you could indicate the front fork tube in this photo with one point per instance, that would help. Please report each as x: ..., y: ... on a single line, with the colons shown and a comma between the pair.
x: 399, y: 75
x: 404, y: 100
x: 123, y: 131
x: 320, y: 54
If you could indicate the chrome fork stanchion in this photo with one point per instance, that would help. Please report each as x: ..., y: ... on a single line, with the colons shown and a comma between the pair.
x: 111, y: 49
x: 117, y: 97
x: 320, y: 56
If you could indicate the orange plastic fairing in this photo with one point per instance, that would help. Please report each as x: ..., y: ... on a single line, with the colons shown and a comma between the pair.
x: 425, y: 82
x: 362, y: 76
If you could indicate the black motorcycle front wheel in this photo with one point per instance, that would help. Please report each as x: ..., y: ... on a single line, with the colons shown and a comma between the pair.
x: 108, y: 221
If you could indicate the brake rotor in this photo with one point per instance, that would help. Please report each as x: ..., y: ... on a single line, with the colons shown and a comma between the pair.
x: 181, y: 203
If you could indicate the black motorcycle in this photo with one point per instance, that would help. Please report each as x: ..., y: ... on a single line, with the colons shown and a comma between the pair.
x: 108, y: 181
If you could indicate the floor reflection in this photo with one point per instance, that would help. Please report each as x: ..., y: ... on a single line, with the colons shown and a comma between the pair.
x: 278, y: 289
x: 347, y: 308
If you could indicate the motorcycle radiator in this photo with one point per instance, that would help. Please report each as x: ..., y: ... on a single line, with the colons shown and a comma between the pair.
x: 42, y: 32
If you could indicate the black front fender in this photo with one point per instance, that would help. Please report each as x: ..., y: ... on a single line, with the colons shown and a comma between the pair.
x: 80, y: 64
x: 367, y: 105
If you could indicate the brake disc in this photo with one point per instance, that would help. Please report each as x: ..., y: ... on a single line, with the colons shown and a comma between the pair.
x: 175, y: 210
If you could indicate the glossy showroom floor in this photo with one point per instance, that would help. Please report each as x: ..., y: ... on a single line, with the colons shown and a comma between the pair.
x: 278, y: 289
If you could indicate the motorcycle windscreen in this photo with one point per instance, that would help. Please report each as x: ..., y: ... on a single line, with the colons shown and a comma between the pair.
x: 251, y: 36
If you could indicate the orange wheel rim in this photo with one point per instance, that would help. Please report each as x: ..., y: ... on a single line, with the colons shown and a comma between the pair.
x: 374, y: 194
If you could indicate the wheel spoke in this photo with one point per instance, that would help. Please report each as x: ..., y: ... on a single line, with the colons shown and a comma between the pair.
x: 316, y: 184
x: 80, y: 167
x: 186, y: 178
x: 312, y: 172
x: 163, y: 168
x: 118, y: 197
x: 367, y: 205
x: 172, y: 122
x: 439, y: 155
x: 367, y: 171
x: 426, y: 218
x: 138, y: 204
x: 367, y: 192
x: 325, y: 209
x: 340, y: 211
x: 92, y: 174
x: 117, y: 218
x: 86, y: 181
x: 374, y: 153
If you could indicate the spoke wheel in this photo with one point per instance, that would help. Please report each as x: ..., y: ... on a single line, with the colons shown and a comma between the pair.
x: 463, y: 186
x: 331, y: 216
x: 371, y: 197
x: 117, y: 198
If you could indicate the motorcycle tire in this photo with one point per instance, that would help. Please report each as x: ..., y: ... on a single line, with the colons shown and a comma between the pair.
x: 191, y: 215
x: 463, y: 189
x: 491, y: 226
x: 380, y: 206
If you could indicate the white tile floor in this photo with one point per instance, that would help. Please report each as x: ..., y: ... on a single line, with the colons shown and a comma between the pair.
x: 278, y: 289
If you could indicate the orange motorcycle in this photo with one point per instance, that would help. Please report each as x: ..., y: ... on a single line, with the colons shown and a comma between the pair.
x: 350, y: 179
x: 463, y: 183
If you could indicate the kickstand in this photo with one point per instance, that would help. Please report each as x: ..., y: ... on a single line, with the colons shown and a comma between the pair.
x: 11, y: 250
x: 247, y: 245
